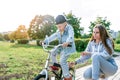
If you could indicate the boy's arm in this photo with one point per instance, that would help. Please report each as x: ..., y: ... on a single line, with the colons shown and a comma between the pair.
x: 51, y: 38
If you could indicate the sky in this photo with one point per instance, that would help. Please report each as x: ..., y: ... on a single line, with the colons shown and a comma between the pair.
x: 16, y: 12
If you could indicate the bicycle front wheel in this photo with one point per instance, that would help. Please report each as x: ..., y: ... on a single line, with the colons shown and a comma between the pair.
x: 40, y: 77
x: 72, y: 73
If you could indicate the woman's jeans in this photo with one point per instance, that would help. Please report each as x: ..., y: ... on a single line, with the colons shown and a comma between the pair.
x: 100, y: 65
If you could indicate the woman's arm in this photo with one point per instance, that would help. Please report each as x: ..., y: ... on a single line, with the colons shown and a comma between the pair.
x: 83, y: 59
x: 85, y: 55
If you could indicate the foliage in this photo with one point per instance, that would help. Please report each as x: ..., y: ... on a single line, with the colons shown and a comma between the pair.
x: 39, y: 42
x: 118, y: 35
x: 12, y: 35
x: 41, y: 26
x: 117, y: 47
x: 20, y: 33
x: 6, y: 37
x: 81, y: 44
x: 117, y: 41
x: 12, y: 41
x: 1, y: 37
x: 75, y: 22
x: 22, y: 41
x: 100, y: 20
x: 85, y: 36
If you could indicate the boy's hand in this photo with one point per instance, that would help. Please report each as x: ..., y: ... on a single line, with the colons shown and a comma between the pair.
x: 65, y: 44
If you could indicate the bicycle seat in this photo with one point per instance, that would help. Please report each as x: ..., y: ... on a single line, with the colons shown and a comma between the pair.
x: 53, y: 68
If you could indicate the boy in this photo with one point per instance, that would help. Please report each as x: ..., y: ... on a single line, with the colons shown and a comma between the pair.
x: 65, y: 35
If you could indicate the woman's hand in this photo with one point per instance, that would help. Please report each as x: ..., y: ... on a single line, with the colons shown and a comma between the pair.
x: 84, y: 53
x: 71, y: 64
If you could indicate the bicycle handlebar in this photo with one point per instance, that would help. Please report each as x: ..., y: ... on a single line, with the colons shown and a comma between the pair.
x: 45, y: 46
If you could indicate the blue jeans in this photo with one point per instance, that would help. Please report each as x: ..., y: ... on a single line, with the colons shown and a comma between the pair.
x: 100, y: 65
x: 63, y: 61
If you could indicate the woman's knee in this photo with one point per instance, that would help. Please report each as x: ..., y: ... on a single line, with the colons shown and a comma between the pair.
x: 96, y: 56
x: 88, y: 73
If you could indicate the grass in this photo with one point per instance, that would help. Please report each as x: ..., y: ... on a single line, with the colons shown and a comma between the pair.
x: 117, y: 47
x: 23, y: 62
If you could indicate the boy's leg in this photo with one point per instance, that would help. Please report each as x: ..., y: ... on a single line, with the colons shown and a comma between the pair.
x: 64, y: 65
x: 53, y: 55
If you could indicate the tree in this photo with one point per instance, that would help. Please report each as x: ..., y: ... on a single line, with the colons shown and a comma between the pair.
x: 12, y: 35
x: 6, y: 37
x: 100, y: 20
x: 41, y: 26
x: 75, y: 22
x: 33, y: 27
x: 21, y: 33
x: 1, y: 37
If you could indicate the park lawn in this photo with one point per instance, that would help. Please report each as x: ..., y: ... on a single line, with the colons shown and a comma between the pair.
x: 22, y: 61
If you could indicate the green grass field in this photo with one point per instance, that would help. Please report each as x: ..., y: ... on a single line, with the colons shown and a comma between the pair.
x: 22, y: 61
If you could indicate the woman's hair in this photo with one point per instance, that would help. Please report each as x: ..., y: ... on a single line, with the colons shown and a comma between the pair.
x: 104, y: 36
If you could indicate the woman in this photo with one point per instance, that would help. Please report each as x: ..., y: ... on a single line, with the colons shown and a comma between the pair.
x: 100, y: 49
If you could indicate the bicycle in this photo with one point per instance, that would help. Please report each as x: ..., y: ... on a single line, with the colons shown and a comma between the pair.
x: 44, y: 74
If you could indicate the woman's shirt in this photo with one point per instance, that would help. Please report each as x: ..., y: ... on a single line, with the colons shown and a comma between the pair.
x: 96, y: 48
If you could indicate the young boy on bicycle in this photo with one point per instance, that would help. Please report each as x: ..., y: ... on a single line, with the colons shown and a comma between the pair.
x: 65, y: 36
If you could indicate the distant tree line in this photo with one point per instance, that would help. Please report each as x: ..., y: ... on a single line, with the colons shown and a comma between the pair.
x: 42, y: 25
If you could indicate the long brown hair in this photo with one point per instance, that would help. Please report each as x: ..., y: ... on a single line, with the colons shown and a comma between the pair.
x: 104, y: 36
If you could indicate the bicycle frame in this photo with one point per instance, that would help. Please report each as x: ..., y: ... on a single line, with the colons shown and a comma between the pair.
x: 44, y: 73
x: 46, y: 67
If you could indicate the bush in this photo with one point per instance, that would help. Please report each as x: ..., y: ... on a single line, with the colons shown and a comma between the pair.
x: 39, y: 42
x: 54, y: 42
x: 12, y: 41
x: 117, y: 47
x: 117, y: 41
x: 22, y: 41
x: 81, y: 44
x: 1, y: 39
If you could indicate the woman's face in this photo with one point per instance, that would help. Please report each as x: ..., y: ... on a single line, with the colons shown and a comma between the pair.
x: 96, y: 33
